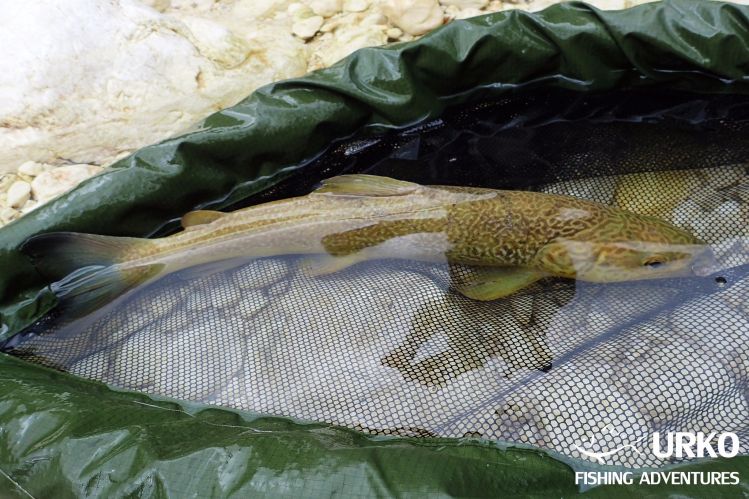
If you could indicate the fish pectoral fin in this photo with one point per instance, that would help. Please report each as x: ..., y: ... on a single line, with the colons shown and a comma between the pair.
x: 328, y: 264
x: 200, y: 217
x: 366, y: 185
x: 492, y: 283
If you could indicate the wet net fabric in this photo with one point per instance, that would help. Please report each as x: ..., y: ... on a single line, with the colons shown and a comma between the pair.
x: 388, y: 348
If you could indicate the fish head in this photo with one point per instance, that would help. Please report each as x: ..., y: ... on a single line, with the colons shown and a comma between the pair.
x: 631, y: 247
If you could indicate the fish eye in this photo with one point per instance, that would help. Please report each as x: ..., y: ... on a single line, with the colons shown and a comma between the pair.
x: 653, y: 263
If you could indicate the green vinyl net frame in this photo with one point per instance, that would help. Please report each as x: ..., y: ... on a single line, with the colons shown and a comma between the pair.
x: 387, y: 349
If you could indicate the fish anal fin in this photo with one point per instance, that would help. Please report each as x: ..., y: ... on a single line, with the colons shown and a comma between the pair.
x: 366, y: 185
x: 200, y: 217
x: 492, y: 283
x: 320, y: 265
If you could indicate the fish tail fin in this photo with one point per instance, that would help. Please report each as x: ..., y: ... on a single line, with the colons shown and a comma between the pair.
x: 87, y: 268
x: 57, y: 254
x: 87, y: 290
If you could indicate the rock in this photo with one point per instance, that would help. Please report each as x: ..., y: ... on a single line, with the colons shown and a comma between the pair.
x: 468, y: 12
x: 54, y: 182
x: 29, y: 206
x: 6, y: 180
x: 352, y: 36
x: 216, y: 43
x: 415, y: 17
x: 253, y: 301
x: 325, y: 8
x: 18, y: 194
x: 374, y: 19
x: 194, y: 366
x: 293, y: 8
x: 601, y: 189
x: 160, y: 5
x: 655, y: 194
x: 31, y: 168
x: 466, y: 4
x: 145, y: 75
x: 306, y: 26
x: 355, y: 5
x: 609, y: 4
x: 260, y: 273
x: 7, y: 215
x: 394, y: 33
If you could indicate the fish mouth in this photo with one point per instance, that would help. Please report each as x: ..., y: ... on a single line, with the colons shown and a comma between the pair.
x: 705, y: 263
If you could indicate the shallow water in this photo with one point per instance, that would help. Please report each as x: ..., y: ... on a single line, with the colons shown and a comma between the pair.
x: 387, y: 347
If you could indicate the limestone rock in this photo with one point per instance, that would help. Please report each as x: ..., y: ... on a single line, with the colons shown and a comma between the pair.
x: 18, y: 194
x: 52, y: 183
x: 415, y: 17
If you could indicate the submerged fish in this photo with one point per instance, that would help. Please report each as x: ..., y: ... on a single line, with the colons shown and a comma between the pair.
x: 510, y: 238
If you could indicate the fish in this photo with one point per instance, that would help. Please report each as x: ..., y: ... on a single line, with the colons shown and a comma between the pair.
x: 509, y: 239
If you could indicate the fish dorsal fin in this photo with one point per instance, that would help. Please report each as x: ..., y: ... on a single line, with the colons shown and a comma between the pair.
x: 200, y: 217
x: 366, y: 185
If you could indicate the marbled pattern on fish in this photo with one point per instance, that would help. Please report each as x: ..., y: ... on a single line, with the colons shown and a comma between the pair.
x: 517, y: 237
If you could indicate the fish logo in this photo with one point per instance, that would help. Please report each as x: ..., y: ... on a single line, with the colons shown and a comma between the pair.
x: 588, y: 448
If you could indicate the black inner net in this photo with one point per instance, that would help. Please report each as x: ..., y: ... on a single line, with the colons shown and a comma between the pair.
x: 589, y: 371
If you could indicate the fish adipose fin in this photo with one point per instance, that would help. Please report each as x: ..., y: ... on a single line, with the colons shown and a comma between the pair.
x: 366, y: 185
x: 86, y: 267
x: 492, y: 283
x: 200, y: 217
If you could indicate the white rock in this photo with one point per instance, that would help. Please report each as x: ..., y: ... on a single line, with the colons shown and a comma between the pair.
x: 29, y: 206
x: 325, y: 8
x: 466, y: 4
x: 307, y: 27
x: 415, y: 17
x: 136, y: 366
x: 18, y: 193
x: 468, y: 12
x: 296, y: 7
x: 31, y: 168
x: 351, y: 37
x: 609, y: 4
x: 373, y: 19
x: 600, y: 189
x: 7, y: 215
x: 160, y: 5
x: 355, y: 5
x: 253, y: 301
x: 260, y: 273
x: 128, y: 72
x: 215, y: 42
x: 198, y: 364
x: 394, y: 33
x: 7, y: 179
x: 54, y: 182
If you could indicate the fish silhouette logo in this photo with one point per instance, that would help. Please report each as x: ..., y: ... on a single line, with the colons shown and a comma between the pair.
x: 593, y: 449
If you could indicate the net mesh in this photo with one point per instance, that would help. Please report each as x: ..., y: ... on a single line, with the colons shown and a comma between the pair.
x: 387, y: 347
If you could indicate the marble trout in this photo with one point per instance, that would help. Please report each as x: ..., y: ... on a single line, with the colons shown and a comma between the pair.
x: 510, y: 238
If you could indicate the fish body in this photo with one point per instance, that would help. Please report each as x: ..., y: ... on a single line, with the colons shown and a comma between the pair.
x: 512, y: 238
